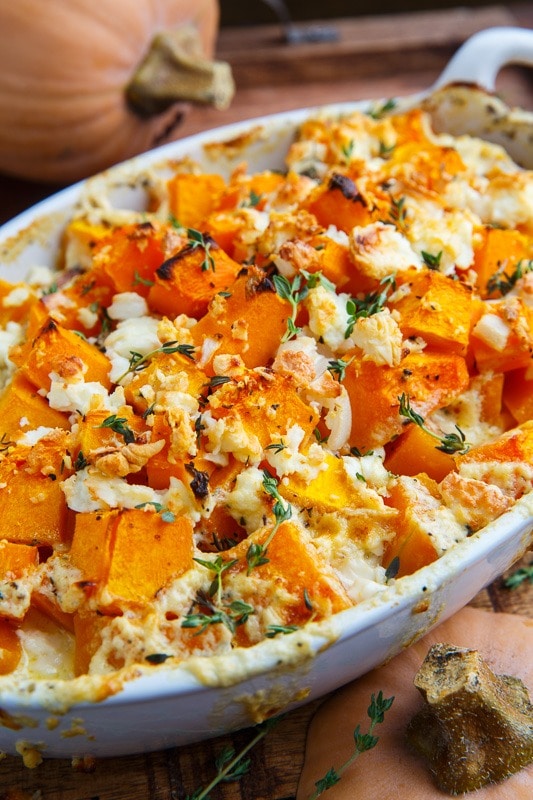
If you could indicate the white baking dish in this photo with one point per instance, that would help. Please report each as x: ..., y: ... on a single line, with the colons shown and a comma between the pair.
x: 164, y: 706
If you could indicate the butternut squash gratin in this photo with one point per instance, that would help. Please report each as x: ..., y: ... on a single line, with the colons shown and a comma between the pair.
x: 263, y: 399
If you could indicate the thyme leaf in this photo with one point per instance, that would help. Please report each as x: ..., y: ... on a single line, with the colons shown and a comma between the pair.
x: 138, y: 361
x: 379, y: 111
x: 450, y: 443
x: 431, y: 261
x: 518, y: 577
x: 377, y: 709
x: 119, y: 425
x: 294, y: 293
x: 257, y: 553
x: 504, y: 282
x: 370, y: 304
x: 199, y: 240
x: 228, y: 762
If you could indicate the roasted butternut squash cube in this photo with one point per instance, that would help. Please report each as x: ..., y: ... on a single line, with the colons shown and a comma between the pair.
x: 10, y: 647
x: 128, y: 257
x: 193, y: 197
x: 17, y: 559
x: 498, y: 254
x: 56, y: 349
x: 502, y: 338
x: 331, y: 491
x: 31, y: 478
x: 78, y: 306
x: 127, y: 556
x: 235, y: 324
x: 16, y: 300
x: 339, y: 202
x: 99, y: 431
x: 514, y: 447
x: 23, y: 408
x: 518, y: 394
x: 431, y: 380
x: 186, y: 282
x: 413, y: 545
x: 187, y: 376
x: 436, y: 308
x: 79, y: 241
x: 415, y: 451
x: 257, y: 408
x: 296, y: 582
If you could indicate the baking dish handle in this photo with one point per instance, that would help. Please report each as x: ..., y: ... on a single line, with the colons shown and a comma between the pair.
x: 482, y: 56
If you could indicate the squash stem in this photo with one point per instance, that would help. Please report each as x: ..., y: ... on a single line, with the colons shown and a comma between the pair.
x: 175, y: 70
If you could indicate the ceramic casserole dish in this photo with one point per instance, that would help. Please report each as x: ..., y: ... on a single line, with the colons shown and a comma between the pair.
x: 164, y: 700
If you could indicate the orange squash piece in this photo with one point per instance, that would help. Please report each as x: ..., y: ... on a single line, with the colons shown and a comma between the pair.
x: 514, y: 446
x: 56, y: 349
x: 95, y: 437
x: 16, y: 299
x: 31, y: 480
x: 237, y: 322
x: 17, y: 559
x: 308, y: 586
x: 412, y: 544
x: 23, y: 408
x: 518, y: 394
x: 193, y: 197
x: 415, y: 451
x: 436, y: 308
x: 502, y: 339
x: 500, y: 250
x: 128, y: 257
x: 264, y: 407
x: 340, y: 203
x: 430, y: 379
x: 165, y: 364
x: 186, y: 282
x: 127, y: 556
x: 10, y: 647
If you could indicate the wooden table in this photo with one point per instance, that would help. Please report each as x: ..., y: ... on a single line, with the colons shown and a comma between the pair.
x: 375, y: 57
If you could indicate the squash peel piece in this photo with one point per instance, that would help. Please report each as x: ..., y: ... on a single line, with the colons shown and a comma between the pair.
x: 476, y: 727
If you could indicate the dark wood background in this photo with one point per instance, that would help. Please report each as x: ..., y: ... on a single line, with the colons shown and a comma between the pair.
x: 380, y: 57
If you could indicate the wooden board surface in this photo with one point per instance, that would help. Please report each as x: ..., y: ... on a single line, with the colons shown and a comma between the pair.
x: 430, y: 40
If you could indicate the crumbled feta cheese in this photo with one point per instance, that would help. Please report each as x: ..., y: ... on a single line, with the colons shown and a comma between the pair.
x: 127, y: 305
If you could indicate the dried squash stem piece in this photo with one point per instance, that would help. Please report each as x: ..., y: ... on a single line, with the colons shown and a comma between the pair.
x: 476, y: 727
x: 174, y: 70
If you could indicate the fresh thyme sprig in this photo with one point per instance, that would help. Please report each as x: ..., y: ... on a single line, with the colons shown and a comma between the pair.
x: 119, y: 425
x: 294, y: 293
x: 370, y: 304
x: 256, y: 554
x: 450, y: 443
x: 430, y: 260
x: 231, y: 615
x: 277, y: 447
x: 138, y: 361
x: 317, y: 278
x: 198, y: 239
x: 337, y: 368
x: 518, y: 577
x: 503, y: 282
x: 362, y: 742
x: 231, y: 766
x: 218, y: 567
x: 166, y: 514
x: 398, y: 212
x: 379, y: 111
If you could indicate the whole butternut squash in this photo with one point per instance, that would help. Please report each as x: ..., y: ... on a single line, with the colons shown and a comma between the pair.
x: 84, y: 85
